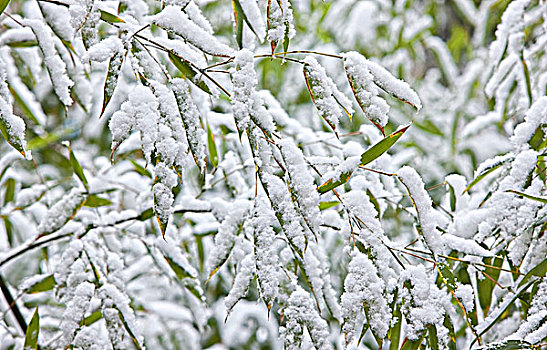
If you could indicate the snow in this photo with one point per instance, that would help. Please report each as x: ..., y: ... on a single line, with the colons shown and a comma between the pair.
x: 61, y: 212
x: 104, y: 49
x: 396, y: 87
x: 280, y: 21
x: 252, y: 12
x: 55, y: 66
x: 426, y: 215
x: 13, y: 124
x: 364, y: 89
x: 173, y: 19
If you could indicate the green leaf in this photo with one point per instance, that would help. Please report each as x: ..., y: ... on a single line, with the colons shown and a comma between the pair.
x: 111, y: 80
x: 177, y: 268
x: 94, y: 317
x: 508, y: 345
x: 432, y: 337
x: 188, y: 71
x: 146, y: 214
x: 485, y: 172
x: 534, y: 198
x: 429, y: 127
x: 110, y: 18
x: 94, y: 201
x: 9, y: 194
x: 540, y: 270
x: 332, y: 184
x: 77, y: 168
x: 382, y: 146
x: 213, y: 155
x: 140, y: 169
x: 486, y: 286
x: 327, y: 205
x: 395, y: 333
x: 447, y: 276
x: 33, y: 329
x: 43, y: 285
x: 451, y: 335
x: 3, y: 5
x: 12, y: 139
x: 452, y: 197
x: 238, y: 21
x: 413, y: 344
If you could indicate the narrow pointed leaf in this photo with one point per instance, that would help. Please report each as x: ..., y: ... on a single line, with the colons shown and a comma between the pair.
x: 188, y: 71
x: 3, y: 5
x: 42, y: 285
x: 110, y: 18
x: 77, y: 168
x: 9, y: 194
x: 382, y: 146
x: 540, y: 270
x: 94, y: 201
x: 327, y: 205
x: 12, y: 138
x: 485, y: 172
x: 332, y: 183
x: 534, y: 198
x: 213, y: 154
x: 112, y: 75
x: 31, y: 337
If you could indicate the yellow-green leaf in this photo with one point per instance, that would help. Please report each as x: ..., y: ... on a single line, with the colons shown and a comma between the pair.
x: 213, y: 154
x: 94, y: 201
x: 43, y: 285
x: 140, y: 169
x: 327, y: 205
x: 9, y: 194
x: 3, y: 5
x: 540, y: 270
x: 77, y: 168
x: 382, y: 146
x: 112, y: 75
x: 485, y: 172
x: 33, y: 329
x: 529, y: 196
x: 188, y: 71
x: 110, y: 18
x: 332, y: 183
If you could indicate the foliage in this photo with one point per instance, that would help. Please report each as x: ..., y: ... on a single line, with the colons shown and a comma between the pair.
x: 188, y: 174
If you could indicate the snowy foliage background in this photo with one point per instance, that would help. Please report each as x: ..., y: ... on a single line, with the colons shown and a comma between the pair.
x: 268, y: 174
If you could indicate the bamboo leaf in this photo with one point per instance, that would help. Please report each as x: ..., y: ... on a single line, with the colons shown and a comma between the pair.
x: 43, y: 285
x: 534, y: 198
x: 485, y: 172
x: 328, y: 205
x: 486, y: 286
x: 3, y: 5
x: 12, y: 138
x: 112, y: 75
x: 9, y: 194
x: 395, y: 333
x: 179, y: 270
x: 140, y: 169
x: 540, y: 270
x: 213, y: 155
x: 186, y: 69
x: 332, y: 183
x: 94, y: 317
x: 110, y: 18
x: 94, y: 201
x: 413, y: 344
x: 382, y: 146
x: 77, y: 168
x: 33, y: 329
